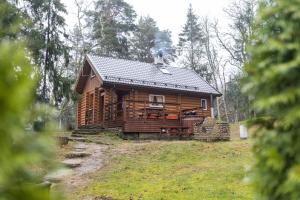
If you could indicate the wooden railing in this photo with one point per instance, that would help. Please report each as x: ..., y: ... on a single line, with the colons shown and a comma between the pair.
x: 141, y: 110
x: 112, y: 111
x: 193, y: 112
x: 89, y: 116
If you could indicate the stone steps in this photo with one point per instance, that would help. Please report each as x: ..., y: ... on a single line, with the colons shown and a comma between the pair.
x: 72, y: 163
x: 79, y: 135
x: 78, y: 139
x: 57, y: 176
x: 77, y: 154
x: 87, y: 131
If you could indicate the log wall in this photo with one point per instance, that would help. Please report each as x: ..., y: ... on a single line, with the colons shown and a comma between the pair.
x: 135, y: 102
x: 175, y: 102
x: 91, y: 86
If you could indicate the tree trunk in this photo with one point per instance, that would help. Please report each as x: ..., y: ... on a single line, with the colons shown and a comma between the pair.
x: 46, y: 62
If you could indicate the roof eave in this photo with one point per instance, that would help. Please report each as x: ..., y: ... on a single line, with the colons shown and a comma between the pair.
x: 109, y: 83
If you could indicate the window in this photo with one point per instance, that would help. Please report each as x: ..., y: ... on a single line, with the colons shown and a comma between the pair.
x: 156, y: 100
x: 204, y: 104
x: 164, y: 70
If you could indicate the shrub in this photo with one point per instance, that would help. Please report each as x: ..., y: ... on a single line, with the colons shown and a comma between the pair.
x: 273, y: 80
x: 22, y: 153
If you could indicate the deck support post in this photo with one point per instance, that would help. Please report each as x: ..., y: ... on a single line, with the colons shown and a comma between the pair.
x: 124, y: 110
x: 212, y: 106
x: 145, y: 113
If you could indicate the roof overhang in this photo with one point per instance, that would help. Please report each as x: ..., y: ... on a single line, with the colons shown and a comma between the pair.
x: 84, y: 74
x: 171, y: 90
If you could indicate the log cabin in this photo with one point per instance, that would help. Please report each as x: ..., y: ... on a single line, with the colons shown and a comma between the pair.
x: 143, y: 99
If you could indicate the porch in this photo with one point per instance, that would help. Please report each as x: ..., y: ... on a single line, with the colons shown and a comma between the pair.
x: 142, y: 117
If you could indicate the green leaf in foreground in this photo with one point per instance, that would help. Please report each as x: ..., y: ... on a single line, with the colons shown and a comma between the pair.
x: 23, y: 154
x: 273, y: 79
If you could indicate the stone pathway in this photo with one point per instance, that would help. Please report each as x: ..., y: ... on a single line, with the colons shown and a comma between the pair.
x: 91, y: 158
x: 72, y: 162
x: 85, y: 158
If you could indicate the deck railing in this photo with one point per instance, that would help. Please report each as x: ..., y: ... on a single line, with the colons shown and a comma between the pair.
x: 89, y: 116
x: 141, y: 110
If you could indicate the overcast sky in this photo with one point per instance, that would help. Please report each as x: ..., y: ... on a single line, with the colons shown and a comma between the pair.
x: 169, y: 14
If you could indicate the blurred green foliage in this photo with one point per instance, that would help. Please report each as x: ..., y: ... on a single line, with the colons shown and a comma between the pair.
x: 22, y: 153
x: 273, y: 79
x: 9, y: 20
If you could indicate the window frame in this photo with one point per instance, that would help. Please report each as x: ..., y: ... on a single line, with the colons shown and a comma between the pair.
x: 160, y: 105
x: 206, y: 105
x: 164, y: 70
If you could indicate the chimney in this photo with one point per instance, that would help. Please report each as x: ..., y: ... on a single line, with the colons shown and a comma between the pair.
x: 159, y: 58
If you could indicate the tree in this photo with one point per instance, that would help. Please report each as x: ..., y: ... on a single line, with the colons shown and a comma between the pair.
x: 241, y: 13
x: 9, y: 21
x: 191, y: 43
x: 237, y: 102
x: 22, y: 153
x: 111, y: 22
x: 45, y: 37
x: 233, y: 42
x: 79, y: 38
x: 143, y: 40
x: 273, y: 81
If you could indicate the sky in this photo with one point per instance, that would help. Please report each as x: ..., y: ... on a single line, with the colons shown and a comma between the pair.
x: 169, y: 14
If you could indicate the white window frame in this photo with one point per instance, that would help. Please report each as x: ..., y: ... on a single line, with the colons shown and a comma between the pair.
x: 164, y: 70
x: 205, y: 100
x: 160, y: 105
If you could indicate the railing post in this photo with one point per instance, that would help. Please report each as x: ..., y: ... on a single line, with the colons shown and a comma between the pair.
x: 164, y: 113
x: 145, y: 110
x: 211, y: 106
x: 180, y: 112
x: 124, y: 110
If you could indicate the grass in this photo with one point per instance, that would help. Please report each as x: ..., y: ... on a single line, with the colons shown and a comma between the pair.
x: 174, y: 170
x: 105, y: 138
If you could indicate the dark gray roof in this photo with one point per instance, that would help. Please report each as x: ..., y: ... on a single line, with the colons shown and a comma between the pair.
x: 129, y: 72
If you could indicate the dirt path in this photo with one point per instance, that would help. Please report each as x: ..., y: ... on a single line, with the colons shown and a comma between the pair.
x: 80, y: 176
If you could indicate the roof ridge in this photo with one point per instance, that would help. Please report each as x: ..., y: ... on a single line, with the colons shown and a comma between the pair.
x: 150, y: 64
x: 112, y: 58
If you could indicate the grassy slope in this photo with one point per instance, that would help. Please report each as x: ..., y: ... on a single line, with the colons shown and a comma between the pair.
x: 175, y: 170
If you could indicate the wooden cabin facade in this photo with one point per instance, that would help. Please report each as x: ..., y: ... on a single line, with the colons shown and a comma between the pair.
x: 141, y: 98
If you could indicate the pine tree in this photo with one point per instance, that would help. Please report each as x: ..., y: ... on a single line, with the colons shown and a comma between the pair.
x: 191, y: 43
x: 273, y: 80
x: 111, y: 22
x: 9, y: 21
x: 46, y: 41
x: 143, y: 40
x: 22, y: 153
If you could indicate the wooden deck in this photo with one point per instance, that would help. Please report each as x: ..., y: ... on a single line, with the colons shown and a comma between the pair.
x: 137, y: 117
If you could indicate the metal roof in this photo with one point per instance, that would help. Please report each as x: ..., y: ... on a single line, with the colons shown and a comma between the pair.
x: 120, y: 71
